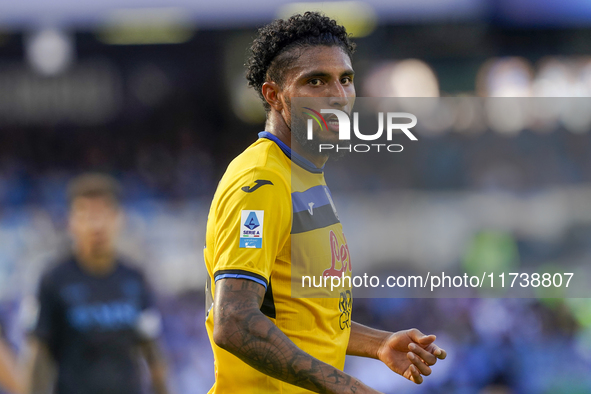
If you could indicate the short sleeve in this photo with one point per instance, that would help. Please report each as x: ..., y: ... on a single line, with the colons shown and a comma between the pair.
x: 46, y: 325
x: 147, y: 297
x: 149, y: 323
x: 252, y: 225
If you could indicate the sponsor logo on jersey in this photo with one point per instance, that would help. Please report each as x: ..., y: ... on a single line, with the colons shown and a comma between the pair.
x: 340, y: 266
x: 340, y: 257
x: 251, y: 229
x: 345, y: 307
x: 113, y: 315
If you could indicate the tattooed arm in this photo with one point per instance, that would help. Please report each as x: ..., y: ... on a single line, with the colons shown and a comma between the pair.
x: 242, y: 329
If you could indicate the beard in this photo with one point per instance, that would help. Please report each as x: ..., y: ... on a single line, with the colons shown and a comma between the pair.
x: 299, y: 133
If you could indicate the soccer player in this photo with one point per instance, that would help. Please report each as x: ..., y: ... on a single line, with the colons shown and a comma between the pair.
x: 8, y: 371
x: 263, y: 340
x: 96, y: 315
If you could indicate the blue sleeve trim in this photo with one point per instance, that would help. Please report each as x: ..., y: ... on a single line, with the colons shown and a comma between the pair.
x: 252, y: 277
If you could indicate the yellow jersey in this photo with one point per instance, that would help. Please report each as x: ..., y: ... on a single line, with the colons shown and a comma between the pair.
x: 272, y: 208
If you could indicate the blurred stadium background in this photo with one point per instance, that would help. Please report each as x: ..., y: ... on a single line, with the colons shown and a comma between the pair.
x: 154, y: 93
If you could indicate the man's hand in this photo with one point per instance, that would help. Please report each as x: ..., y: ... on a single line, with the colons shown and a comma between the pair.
x: 410, y: 353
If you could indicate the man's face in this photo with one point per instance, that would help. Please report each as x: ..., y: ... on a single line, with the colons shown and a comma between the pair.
x: 325, y: 75
x: 94, y: 224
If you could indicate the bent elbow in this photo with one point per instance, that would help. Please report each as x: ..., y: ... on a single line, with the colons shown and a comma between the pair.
x: 220, y: 336
x: 231, y: 326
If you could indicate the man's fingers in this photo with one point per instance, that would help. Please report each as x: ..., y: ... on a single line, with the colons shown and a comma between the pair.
x: 419, y: 364
x: 428, y: 357
x: 415, y: 375
x: 420, y: 338
x: 438, y: 352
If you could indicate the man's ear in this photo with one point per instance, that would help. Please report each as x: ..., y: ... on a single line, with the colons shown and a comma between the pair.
x: 271, y: 93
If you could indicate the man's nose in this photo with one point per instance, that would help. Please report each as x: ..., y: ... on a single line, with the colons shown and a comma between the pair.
x: 338, y: 96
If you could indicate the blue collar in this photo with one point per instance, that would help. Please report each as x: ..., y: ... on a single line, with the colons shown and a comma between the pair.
x: 294, y: 156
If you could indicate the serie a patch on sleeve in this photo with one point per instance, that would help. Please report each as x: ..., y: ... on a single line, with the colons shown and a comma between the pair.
x: 251, y: 229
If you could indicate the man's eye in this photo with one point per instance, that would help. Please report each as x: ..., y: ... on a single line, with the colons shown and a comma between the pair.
x: 346, y: 80
x: 315, y: 82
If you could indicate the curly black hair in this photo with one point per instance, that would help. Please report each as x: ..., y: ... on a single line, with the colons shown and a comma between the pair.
x: 271, y: 52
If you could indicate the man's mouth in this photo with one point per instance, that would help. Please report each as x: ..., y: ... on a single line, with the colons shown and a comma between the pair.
x: 333, y: 123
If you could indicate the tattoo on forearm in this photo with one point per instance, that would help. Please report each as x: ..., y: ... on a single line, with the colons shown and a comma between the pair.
x: 253, y: 338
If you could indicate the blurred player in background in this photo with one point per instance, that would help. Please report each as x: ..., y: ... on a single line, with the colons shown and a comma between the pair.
x: 9, y: 377
x: 96, y: 316
x: 265, y: 341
